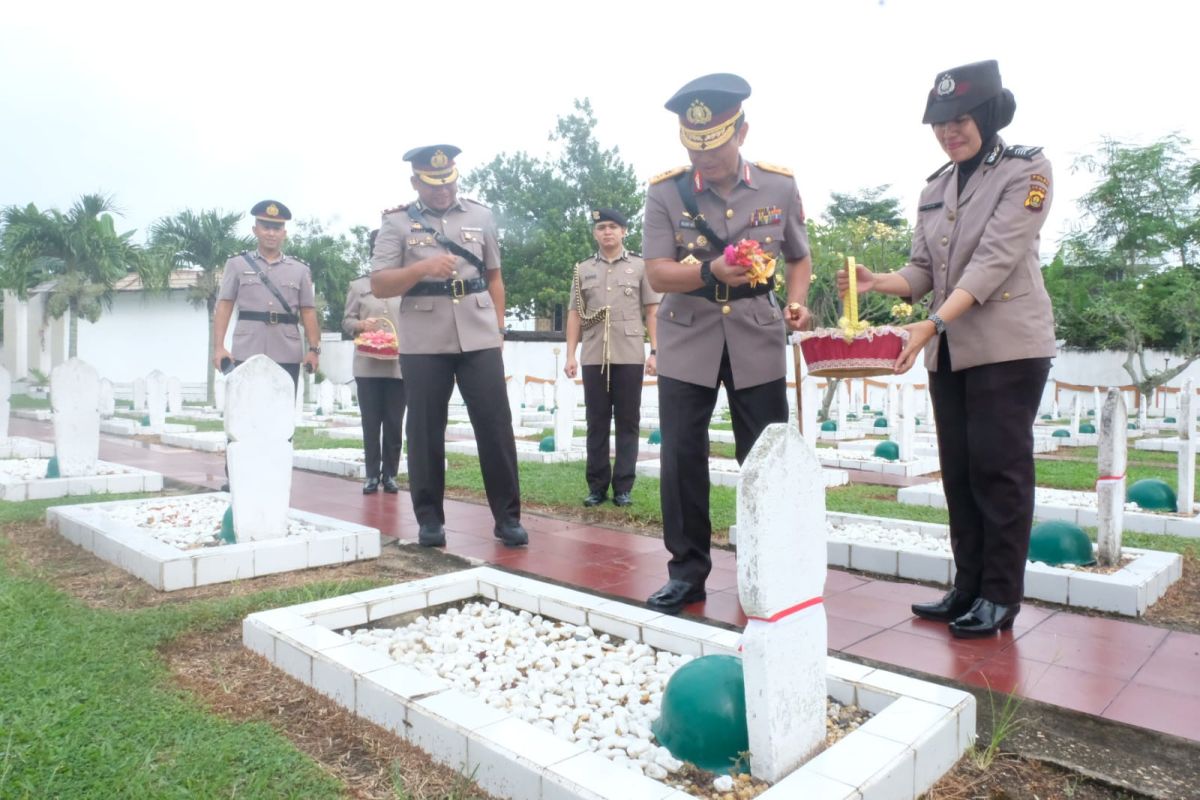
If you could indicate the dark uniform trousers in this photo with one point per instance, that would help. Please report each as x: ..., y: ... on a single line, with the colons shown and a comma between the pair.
x: 617, y: 392
x: 985, y: 419
x: 381, y: 404
x: 685, y: 410
x: 429, y: 381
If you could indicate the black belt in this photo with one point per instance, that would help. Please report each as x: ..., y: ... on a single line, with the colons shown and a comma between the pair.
x: 269, y: 317
x: 454, y: 288
x: 723, y: 292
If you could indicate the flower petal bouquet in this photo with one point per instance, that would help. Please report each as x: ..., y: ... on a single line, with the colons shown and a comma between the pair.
x: 378, y: 343
x: 748, y: 254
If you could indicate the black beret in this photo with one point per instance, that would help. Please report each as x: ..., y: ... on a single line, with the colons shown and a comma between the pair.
x: 956, y: 91
x: 271, y: 211
x: 609, y: 215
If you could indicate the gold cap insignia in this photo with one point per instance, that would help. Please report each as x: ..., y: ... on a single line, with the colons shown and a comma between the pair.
x: 272, y: 210
x: 698, y: 113
x: 439, y: 160
x: 596, y: 215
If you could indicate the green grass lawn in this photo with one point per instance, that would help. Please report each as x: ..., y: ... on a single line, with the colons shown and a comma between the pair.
x: 25, y: 401
x: 1081, y: 475
x: 89, y: 710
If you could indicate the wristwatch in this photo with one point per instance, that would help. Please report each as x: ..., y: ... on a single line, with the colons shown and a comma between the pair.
x: 653, y: 352
x: 939, y: 324
x: 314, y: 348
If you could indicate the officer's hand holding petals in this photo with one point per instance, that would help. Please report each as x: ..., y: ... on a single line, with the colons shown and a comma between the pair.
x: 440, y: 266
x: 798, y: 316
x: 730, y: 275
x: 919, y: 334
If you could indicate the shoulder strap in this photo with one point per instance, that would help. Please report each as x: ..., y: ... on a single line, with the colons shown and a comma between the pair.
x: 683, y: 183
x: 267, y: 282
x: 417, y: 215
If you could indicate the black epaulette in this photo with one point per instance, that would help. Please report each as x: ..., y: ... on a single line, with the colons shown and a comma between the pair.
x: 631, y: 253
x: 387, y: 211
x: 1021, y: 151
x: 671, y: 173
x: 940, y: 171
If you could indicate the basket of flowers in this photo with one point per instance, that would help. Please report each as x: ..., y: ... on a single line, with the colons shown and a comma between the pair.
x: 380, y: 343
x: 854, y: 349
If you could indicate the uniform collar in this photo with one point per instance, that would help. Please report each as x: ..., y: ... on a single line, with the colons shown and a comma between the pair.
x: 457, y: 205
x: 282, y: 257
x: 745, y: 176
x: 624, y: 256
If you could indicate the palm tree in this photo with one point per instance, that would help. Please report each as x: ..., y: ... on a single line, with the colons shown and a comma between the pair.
x: 80, y: 251
x: 203, y: 241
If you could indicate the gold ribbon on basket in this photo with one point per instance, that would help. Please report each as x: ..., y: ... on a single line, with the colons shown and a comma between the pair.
x: 361, y: 341
x: 849, y: 323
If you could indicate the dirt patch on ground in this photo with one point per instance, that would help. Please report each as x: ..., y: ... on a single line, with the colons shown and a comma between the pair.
x: 370, y: 761
x: 102, y: 585
x: 1011, y: 777
x: 1179, y: 608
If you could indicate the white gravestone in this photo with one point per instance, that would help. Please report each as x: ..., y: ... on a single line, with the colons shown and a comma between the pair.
x: 219, y: 392
x: 108, y: 398
x: 908, y: 423
x: 781, y: 575
x: 1055, y: 412
x: 1141, y: 412
x: 299, y: 390
x: 1075, y: 415
x: 5, y: 402
x: 75, y: 402
x: 811, y: 398
x: 1185, y: 485
x: 139, y: 394
x: 156, y: 400
x: 258, y: 422
x: 564, y: 413
x: 1110, y: 486
x: 343, y: 398
x: 843, y: 403
x: 1096, y: 401
x: 516, y: 396
x: 929, y: 418
x: 325, y: 395
x: 893, y: 406
x: 174, y: 395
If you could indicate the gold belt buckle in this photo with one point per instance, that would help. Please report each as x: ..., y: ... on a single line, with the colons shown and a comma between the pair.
x: 458, y: 288
x: 272, y: 318
x: 717, y: 292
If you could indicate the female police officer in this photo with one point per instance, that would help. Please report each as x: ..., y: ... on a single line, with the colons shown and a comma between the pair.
x: 988, y: 341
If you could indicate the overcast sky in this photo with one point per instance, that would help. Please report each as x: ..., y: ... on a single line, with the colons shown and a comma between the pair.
x: 220, y: 104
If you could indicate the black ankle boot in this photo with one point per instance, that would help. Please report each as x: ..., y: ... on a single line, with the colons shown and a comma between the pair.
x: 984, y: 619
x: 953, y: 605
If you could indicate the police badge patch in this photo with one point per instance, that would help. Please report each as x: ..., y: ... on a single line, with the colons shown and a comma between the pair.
x: 1035, y: 198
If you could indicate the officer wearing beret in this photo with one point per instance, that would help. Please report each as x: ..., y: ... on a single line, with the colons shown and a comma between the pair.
x: 610, y: 295
x: 714, y: 327
x: 988, y: 341
x: 442, y: 255
x: 273, y: 293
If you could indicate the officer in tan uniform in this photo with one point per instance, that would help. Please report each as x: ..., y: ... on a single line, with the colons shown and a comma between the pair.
x: 379, y: 383
x: 442, y: 255
x: 273, y: 294
x: 988, y: 341
x: 610, y: 296
x: 714, y: 327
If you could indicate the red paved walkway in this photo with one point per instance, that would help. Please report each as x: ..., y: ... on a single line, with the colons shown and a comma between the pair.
x: 1116, y: 669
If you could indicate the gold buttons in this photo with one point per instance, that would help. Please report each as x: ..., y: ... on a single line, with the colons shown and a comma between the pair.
x: 950, y: 216
x: 943, y: 267
x: 945, y: 240
x: 691, y: 245
x: 671, y: 314
x: 455, y: 301
x: 725, y: 309
x: 729, y: 213
x: 1005, y: 296
x: 768, y: 240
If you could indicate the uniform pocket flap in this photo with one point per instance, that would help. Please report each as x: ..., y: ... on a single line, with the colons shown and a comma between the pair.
x: 483, y: 300
x: 416, y: 304
x: 766, y: 316
x: 682, y: 316
x: 633, y: 329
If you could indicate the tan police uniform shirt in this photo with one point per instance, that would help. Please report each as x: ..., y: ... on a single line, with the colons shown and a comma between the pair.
x: 283, y: 343
x: 692, y: 331
x: 986, y: 242
x: 431, y: 324
x: 362, y: 304
x: 622, y: 286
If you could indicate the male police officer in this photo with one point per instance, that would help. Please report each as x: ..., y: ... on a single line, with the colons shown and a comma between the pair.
x: 273, y: 293
x: 442, y: 255
x: 714, y: 327
x: 609, y: 295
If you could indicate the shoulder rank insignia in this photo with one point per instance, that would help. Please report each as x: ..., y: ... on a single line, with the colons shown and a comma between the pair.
x: 1021, y: 151
x: 671, y: 173
x: 763, y: 165
x: 387, y: 211
x: 940, y: 171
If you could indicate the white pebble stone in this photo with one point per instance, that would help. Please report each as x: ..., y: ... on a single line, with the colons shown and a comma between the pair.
x: 723, y: 784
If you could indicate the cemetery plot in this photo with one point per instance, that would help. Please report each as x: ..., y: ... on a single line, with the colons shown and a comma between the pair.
x: 207, y: 441
x: 725, y: 472
x: 22, y: 447
x: 345, y: 462
x: 174, y: 542
x: 917, y: 731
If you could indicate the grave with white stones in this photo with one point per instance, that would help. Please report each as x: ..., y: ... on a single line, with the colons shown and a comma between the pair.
x: 183, y: 541
x: 564, y: 448
x: 17, y: 447
x: 423, y: 660
x: 108, y: 401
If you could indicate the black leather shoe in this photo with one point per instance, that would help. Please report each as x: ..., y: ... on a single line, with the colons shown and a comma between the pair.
x: 984, y: 619
x: 953, y: 605
x: 371, y: 486
x: 511, y: 534
x: 433, y: 535
x: 390, y: 486
x: 622, y: 499
x: 595, y: 499
x: 674, y: 595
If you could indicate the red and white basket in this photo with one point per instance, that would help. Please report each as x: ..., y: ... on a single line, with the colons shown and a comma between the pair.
x: 870, y: 353
x: 381, y: 344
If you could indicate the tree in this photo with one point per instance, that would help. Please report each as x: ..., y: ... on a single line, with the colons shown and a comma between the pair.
x: 870, y: 204
x: 202, y: 242
x: 334, y: 262
x: 80, y: 251
x: 542, y: 210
